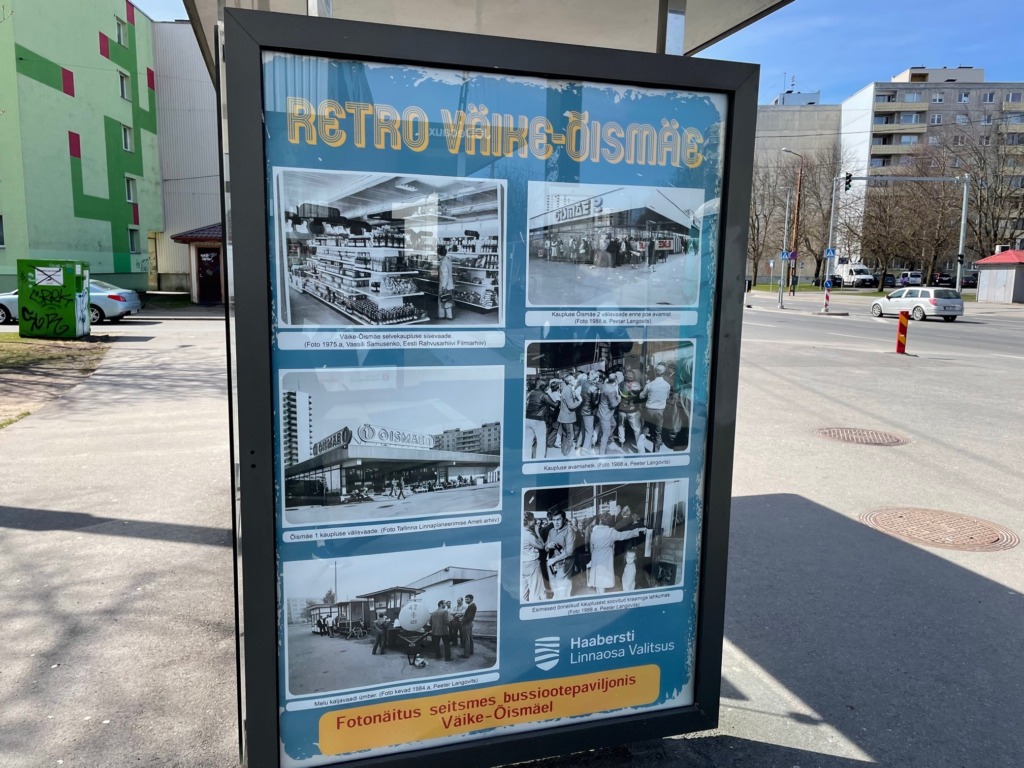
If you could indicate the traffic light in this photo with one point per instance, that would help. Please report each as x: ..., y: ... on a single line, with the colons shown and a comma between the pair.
x: 849, y: 182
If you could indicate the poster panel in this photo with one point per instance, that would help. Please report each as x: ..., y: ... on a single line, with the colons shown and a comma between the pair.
x: 492, y: 304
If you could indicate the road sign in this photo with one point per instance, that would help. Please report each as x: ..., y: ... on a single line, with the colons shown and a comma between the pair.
x: 830, y: 253
x: 828, y: 283
x: 771, y: 265
x: 784, y: 256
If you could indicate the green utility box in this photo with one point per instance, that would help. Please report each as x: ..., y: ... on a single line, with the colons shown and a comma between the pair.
x: 53, y: 298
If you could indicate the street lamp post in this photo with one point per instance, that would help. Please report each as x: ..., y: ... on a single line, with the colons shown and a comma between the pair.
x: 796, y: 212
x: 782, y: 264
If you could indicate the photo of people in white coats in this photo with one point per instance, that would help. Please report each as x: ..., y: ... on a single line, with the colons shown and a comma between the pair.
x: 596, y: 539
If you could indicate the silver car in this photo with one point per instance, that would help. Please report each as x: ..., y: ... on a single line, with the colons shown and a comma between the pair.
x: 106, y: 302
x: 921, y: 303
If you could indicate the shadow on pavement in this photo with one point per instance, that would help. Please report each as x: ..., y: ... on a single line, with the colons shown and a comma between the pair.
x: 51, y: 520
x: 912, y: 658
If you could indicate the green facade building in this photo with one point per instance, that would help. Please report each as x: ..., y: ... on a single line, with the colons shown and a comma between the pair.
x: 79, y: 161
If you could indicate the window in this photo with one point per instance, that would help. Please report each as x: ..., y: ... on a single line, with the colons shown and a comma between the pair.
x: 1013, y: 97
x: 906, y: 160
x: 127, y: 143
x: 1016, y: 182
x: 133, y: 241
x: 989, y: 97
x: 129, y: 189
x: 955, y: 163
x: 959, y: 140
x: 909, y: 118
x: 935, y: 119
x: 938, y: 97
x: 964, y: 97
x: 1014, y: 139
x: 126, y: 86
x: 878, y: 162
x: 985, y: 120
x: 883, y: 120
x: 122, y: 33
x: 885, y: 98
x: 908, y: 138
x: 912, y: 97
x: 933, y: 140
x: 1013, y: 118
x: 2, y: 241
x: 961, y: 119
x: 985, y: 141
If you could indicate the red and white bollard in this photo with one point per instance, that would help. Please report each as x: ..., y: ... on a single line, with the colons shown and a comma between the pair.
x: 901, y: 333
x: 828, y: 295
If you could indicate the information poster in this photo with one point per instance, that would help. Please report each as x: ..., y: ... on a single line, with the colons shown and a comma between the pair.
x: 492, y: 307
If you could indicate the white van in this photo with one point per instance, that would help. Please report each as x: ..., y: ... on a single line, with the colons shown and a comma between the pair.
x: 909, y: 278
x: 856, y: 276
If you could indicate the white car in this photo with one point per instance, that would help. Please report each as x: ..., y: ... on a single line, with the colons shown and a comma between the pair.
x: 106, y: 302
x: 909, y: 278
x: 921, y: 303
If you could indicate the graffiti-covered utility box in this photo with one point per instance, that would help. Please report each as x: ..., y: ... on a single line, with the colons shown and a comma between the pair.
x: 53, y: 298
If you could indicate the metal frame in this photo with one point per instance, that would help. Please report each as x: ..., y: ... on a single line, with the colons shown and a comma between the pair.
x: 247, y: 35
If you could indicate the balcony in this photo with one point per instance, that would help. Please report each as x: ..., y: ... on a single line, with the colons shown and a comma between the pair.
x: 894, y: 149
x: 888, y: 107
x: 897, y: 128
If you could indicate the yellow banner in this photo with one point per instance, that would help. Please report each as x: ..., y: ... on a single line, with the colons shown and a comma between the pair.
x: 383, y: 725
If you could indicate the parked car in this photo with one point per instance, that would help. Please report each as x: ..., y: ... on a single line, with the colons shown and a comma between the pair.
x: 921, y: 303
x: 909, y: 278
x: 942, y: 278
x: 106, y: 302
x: 889, y: 280
x: 969, y: 280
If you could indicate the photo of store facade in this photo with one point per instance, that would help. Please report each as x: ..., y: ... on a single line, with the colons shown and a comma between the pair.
x: 387, y: 249
x: 597, y: 225
x: 345, y: 463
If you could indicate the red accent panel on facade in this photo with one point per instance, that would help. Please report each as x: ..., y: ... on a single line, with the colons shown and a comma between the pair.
x: 75, y: 144
x: 135, y: 214
x: 67, y: 78
x: 104, y: 46
x: 151, y: 79
x: 129, y: 11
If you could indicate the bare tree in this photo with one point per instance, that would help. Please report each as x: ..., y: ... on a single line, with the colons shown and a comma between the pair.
x: 820, y: 169
x: 979, y: 145
x: 765, y: 212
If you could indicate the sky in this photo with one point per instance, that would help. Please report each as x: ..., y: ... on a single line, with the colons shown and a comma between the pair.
x: 839, y: 46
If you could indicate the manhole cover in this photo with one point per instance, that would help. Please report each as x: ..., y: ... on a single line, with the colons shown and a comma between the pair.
x: 936, y: 528
x: 861, y: 436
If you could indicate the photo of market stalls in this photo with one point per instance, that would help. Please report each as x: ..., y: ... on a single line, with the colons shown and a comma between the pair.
x: 363, y: 621
x: 613, y: 246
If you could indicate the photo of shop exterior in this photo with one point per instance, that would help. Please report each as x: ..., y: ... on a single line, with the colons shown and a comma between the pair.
x: 382, y: 443
x: 402, y: 621
x: 649, y: 412
x: 588, y: 245
x: 623, y: 537
x: 374, y: 249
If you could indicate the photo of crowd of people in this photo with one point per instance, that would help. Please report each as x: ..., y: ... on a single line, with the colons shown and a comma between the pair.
x: 402, y: 616
x: 607, y: 398
x: 591, y: 540
x: 595, y: 245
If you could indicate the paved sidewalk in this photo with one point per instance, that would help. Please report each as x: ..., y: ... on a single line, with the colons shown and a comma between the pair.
x: 116, y: 567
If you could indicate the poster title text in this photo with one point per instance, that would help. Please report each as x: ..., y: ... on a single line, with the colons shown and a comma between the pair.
x: 478, y: 131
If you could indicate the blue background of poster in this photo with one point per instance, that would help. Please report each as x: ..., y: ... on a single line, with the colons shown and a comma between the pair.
x: 316, y: 80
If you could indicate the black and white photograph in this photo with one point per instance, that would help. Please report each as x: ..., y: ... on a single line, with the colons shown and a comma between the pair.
x: 599, y: 539
x: 369, y: 620
x: 613, y: 246
x: 385, y: 249
x: 607, y: 398
x: 371, y: 444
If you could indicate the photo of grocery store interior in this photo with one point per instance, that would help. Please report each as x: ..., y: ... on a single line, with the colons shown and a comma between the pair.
x: 371, y: 249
